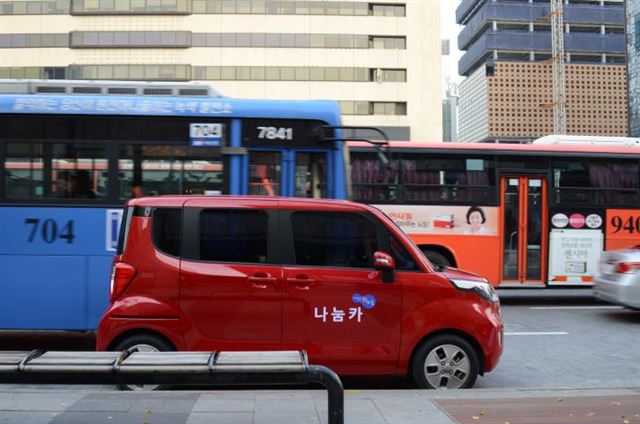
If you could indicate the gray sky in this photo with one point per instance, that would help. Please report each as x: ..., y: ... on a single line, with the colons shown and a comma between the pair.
x: 450, y: 31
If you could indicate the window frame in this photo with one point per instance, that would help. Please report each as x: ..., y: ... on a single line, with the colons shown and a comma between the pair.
x: 191, y: 233
x: 288, y: 253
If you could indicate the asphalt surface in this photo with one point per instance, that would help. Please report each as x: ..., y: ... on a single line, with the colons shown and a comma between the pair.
x: 568, y: 359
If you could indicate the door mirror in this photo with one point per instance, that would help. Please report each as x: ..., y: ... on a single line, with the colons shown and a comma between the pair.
x: 384, y: 262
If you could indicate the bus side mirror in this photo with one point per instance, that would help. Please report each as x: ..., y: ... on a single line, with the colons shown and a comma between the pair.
x: 384, y: 262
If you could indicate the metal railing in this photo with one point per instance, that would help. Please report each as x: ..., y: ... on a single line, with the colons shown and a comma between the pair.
x: 175, y: 368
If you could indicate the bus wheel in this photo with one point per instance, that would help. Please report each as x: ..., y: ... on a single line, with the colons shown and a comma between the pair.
x: 143, y: 343
x: 436, y: 258
x: 446, y: 361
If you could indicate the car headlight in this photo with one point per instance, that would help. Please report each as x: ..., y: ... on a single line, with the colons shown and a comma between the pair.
x: 483, y: 288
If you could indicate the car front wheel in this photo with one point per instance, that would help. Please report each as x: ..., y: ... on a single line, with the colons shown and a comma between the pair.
x: 445, y: 362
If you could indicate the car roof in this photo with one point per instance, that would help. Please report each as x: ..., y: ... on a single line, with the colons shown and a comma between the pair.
x: 267, y: 201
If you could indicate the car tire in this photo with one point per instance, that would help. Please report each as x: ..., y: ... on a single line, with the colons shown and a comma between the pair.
x: 144, y: 343
x: 437, y: 258
x: 445, y: 361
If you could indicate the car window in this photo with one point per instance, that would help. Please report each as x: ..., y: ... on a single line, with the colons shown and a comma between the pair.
x: 166, y: 230
x: 404, y: 261
x: 335, y: 239
x: 233, y: 235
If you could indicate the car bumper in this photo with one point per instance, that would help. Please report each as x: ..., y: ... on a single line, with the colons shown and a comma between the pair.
x: 494, y: 338
x: 625, y: 292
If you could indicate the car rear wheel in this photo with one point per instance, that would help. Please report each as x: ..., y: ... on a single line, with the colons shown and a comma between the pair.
x: 143, y: 343
x: 445, y: 362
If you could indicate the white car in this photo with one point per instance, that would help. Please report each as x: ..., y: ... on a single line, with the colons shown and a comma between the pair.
x: 618, y: 279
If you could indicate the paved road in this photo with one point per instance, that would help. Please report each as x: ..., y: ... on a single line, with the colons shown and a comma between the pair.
x: 558, y: 339
x: 554, y: 339
x: 567, y: 359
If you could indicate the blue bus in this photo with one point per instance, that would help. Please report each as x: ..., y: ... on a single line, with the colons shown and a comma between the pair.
x: 72, y: 151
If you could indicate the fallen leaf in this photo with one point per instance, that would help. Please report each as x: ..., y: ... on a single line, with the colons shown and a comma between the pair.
x: 481, y: 413
x: 147, y: 411
x: 560, y: 400
x: 591, y: 414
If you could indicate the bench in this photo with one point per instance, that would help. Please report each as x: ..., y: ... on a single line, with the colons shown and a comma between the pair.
x: 176, y: 368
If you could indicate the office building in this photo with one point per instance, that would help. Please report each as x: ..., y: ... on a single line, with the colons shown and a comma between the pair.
x: 381, y: 60
x: 633, y: 65
x: 507, y: 95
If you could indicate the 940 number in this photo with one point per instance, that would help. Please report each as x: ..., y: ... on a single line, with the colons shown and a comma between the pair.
x: 630, y: 224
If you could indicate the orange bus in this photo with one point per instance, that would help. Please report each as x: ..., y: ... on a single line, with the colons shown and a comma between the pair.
x: 521, y: 215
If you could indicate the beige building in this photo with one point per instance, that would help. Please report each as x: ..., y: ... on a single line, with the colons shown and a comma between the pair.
x: 512, y: 101
x: 381, y: 60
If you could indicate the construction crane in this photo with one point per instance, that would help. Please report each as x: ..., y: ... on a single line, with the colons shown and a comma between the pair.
x: 558, y: 68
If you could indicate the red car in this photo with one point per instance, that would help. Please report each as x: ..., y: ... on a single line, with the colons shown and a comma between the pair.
x: 335, y: 278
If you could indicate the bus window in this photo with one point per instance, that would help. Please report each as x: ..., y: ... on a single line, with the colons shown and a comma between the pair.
x: 371, y: 181
x: 165, y: 169
x: 447, y: 180
x: 264, y: 173
x: 76, y: 171
x: 311, y: 175
x: 595, y: 182
x: 23, y: 171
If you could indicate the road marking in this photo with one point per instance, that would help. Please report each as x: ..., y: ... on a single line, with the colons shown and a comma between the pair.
x: 575, y: 307
x: 537, y: 333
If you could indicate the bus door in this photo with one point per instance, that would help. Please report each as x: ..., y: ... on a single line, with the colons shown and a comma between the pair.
x: 288, y: 172
x: 524, y: 237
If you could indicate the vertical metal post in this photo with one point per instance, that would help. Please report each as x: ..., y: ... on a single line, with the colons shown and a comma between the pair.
x: 335, y: 392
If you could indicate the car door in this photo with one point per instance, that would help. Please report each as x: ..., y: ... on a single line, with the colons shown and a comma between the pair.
x: 336, y: 305
x: 230, y: 288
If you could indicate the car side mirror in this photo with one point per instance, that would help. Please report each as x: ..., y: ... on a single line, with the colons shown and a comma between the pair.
x: 384, y: 262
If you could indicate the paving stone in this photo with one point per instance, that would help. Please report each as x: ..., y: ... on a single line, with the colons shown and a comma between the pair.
x: 38, y: 401
x: 223, y: 405
x: 220, y: 418
x: 166, y: 402
x: 119, y: 418
x: 26, y: 417
x: 286, y: 418
x: 103, y: 402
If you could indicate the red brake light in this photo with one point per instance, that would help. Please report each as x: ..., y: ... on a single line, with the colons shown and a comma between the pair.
x: 627, y: 267
x: 121, y: 275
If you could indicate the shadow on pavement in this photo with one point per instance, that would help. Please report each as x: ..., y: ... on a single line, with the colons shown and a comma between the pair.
x: 47, y: 340
x: 548, y: 296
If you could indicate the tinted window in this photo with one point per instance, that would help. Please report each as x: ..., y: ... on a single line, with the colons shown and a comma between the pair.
x: 166, y: 230
x: 233, y: 235
x: 333, y: 239
x: 596, y: 182
x: 404, y: 261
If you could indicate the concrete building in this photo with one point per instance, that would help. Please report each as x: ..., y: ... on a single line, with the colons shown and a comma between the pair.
x: 633, y: 65
x: 380, y: 59
x: 507, y: 93
x: 450, y: 114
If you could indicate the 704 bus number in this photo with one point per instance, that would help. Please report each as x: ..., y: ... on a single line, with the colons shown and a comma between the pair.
x: 630, y: 224
x: 48, y: 230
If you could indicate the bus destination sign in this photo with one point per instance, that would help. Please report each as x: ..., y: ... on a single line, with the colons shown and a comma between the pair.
x: 205, y: 135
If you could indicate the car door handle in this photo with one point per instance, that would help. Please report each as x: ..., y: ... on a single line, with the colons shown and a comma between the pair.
x: 261, y: 282
x: 301, y: 283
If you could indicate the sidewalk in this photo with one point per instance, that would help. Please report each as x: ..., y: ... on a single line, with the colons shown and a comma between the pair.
x: 69, y: 405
